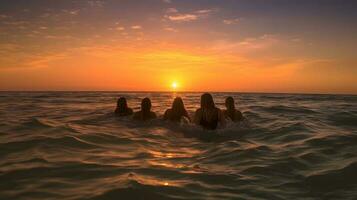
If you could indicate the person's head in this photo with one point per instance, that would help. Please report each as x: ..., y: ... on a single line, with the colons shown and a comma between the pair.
x: 122, y: 104
x: 178, y: 107
x: 146, y: 105
x: 230, y: 103
x: 207, y: 101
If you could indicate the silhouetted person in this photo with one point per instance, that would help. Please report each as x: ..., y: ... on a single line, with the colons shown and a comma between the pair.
x: 145, y: 113
x: 122, y: 108
x: 177, y: 111
x: 208, y: 116
x: 231, y: 112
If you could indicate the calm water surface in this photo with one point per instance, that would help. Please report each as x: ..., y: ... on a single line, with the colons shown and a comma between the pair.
x: 68, y: 145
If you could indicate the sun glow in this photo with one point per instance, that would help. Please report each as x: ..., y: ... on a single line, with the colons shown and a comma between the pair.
x: 174, y: 85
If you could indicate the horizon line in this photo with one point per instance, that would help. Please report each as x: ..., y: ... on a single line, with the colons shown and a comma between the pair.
x: 188, y: 91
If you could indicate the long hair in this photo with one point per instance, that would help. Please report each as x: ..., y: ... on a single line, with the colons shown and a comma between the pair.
x: 178, y: 109
x: 122, y: 105
x: 230, y: 108
x: 207, y: 101
x: 145, y: 107
x: 230, y: 103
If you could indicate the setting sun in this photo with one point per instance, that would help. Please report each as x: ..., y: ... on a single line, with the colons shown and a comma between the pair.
x: 174, y: 85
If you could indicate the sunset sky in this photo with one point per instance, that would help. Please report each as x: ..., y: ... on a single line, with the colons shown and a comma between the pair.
x: 307, y: 46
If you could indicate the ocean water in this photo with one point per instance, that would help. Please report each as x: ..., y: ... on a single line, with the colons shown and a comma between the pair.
x: 69, y: 146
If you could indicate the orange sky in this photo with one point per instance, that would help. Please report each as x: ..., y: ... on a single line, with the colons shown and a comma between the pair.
x: 201, y: 47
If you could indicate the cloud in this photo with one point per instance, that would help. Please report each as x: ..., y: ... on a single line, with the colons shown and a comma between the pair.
x: 120, y: 28
x: 15, y: 23
x: 5, y: 47
x: 204, y: 11
x: 182, y: 17
x: 72, y: 12
x: 45, y: 60
x: 232, y: 21
x: 96, y: 3
x: 136, y: 27
x: 4, y: 16
x: 59, y: 37
x: 296, y: 40
x: 248, y: 44
x: 171, y: 10
x: 170, y: 29
x: 174, y: 15
x: 167, y: 1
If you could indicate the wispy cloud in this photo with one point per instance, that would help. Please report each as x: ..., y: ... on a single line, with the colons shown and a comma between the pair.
x: 182, y: 17
x: 136, y: 27
x: 96, y: 3
x: 72, y: 12
x: 120, y: 28
x: 167, y: 1
x: 232, y: 21
x: 4, y: 16
x: 176, y: 16
x: 59, y: 37
x: 170, y: 29
x: 171, y: 10
x: 206, y: 11
x: 247, y: 44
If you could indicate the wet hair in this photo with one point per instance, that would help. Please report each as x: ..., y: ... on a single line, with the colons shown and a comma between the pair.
x: 122, y: 105
x: 231, y: 110
x: 178, y: 109
x: 146, y: 107
x: 207, y: 101
x: 230, y: 103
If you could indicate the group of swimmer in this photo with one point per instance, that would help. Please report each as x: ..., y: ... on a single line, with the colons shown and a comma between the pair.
x: 208, y: 115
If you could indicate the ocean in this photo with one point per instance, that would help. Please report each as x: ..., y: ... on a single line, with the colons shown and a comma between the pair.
x: 69, y: 146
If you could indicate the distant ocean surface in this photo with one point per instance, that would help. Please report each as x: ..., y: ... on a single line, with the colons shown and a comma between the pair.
x: 69, y: 146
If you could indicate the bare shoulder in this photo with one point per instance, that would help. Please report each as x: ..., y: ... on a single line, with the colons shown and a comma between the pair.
x: 168, y: 111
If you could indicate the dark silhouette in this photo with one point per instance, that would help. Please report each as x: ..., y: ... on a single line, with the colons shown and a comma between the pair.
x: 208, y: 116
x: 122, y: 108
x: 145, y: 113
x: 231, y: 112
x: 177, y: 111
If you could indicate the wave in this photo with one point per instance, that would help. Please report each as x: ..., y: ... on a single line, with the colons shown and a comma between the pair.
x: 332, y: 184
x: 288, y: 109
x: 71, y: 146
x: 345, y: 118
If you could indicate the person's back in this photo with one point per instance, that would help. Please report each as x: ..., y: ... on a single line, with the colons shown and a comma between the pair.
x: 145, y: 113
x: 208, y: 116
x: 177, y: 112
x: 231, y: 112
x: 122, y: 108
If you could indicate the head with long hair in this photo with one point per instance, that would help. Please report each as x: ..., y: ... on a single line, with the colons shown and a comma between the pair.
x: 207, y: 101
x: 122, y: 105
x: 178, y: 108
x: 146, y: 106
x: 230, y: 103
